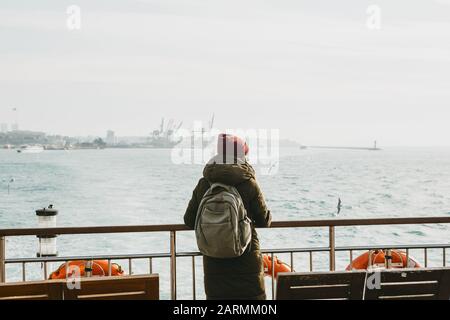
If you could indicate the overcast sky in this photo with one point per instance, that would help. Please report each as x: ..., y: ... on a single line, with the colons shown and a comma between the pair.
x: 309, y: 68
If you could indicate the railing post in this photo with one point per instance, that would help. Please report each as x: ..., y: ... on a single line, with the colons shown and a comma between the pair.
x: 444, y: 257
x: 332, y: 237
x: 194, y: 287
x: 2, y: 259
x: 273, y: 275
x: 173, y: 265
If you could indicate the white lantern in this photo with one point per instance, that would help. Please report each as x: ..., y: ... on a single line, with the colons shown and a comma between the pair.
x: 47, y: 243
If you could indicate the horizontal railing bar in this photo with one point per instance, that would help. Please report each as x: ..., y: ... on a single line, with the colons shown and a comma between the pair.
x: 91, y: 230
x: 189, y: 254
x: 284, y: 250
x: 181, y: 227
x: 356, y: 248
x: 198, y: 254
x: 359, y: 222
x: 394, y: 246
x: 296, y: 250
x: 90, y: 257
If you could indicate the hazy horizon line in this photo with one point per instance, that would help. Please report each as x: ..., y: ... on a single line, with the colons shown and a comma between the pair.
x: 282, y: 139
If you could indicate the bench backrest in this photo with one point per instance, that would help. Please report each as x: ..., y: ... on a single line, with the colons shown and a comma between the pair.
x: 412, y: 284
x: 95, y: 288
x: 42, y: 290
x: 393, y: 284
x: 321, y: 286
x: 115, y: 288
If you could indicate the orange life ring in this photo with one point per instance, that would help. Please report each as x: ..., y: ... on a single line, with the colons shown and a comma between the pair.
x: 380, y: 259
x: 279, y: 265
x: 99, y: 268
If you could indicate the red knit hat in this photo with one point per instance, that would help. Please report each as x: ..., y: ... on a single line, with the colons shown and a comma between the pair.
x: 232, y: 145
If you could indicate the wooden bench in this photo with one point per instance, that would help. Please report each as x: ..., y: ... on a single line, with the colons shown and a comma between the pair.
x: 412, y: 284
x: 95, y: 288
x: 393, y: 284
x: 321, y: 286
x: 40, y: 290
x: 115, y: 288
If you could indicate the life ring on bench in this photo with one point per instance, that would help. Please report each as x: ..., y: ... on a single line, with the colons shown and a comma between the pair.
x: 279, y: 266
x: 383, y: 259
x: 98, y: 268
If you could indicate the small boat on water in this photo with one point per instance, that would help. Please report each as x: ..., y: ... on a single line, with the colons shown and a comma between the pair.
x: 30, y: 149
x: 55, y: 148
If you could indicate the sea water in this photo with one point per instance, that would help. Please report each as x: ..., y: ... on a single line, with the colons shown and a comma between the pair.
x: 143, y: 186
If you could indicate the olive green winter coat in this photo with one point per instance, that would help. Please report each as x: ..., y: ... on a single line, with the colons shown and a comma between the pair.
x: 242, y: 277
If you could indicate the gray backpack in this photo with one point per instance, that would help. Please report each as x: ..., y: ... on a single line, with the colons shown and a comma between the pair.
x: 222, y: 227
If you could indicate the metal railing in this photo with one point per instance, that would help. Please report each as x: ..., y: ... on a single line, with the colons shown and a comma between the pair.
x: 173, y: 254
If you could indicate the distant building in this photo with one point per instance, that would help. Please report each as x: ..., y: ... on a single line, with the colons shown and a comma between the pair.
x: 3, y: 127
x: 23, y: 137
x: 110, y: 137
x: 15, y: 127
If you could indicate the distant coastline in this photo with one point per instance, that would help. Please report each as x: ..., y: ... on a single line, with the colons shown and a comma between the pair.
x: 19, y: 138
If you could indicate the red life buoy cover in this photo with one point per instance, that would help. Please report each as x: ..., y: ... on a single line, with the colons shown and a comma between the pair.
x: 99, y: 268
x: 379, y: 258
x: 279, y: 265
